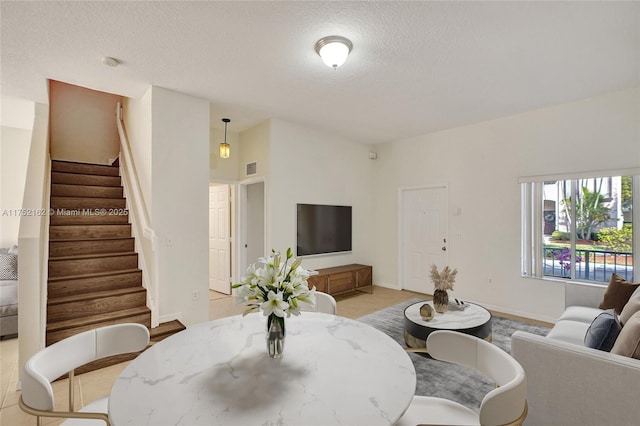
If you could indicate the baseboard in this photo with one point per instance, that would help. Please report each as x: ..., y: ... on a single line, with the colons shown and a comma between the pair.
x: 170, y: 317
x: 385, y: 285
x: 519, y: 313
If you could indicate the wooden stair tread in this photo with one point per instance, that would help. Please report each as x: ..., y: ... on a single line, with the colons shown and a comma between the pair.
x: 83, y: 232
x: 166, y: 329
x: 76, y: 185
x: 94, y: 295
x: 92, y: 275
x: 66, y: 240
x: 93, y: 256
x: 95, y: 319
x: 67, y: 178
x: 72, y: 197
x: 86, y: 191
x: 84, y: 168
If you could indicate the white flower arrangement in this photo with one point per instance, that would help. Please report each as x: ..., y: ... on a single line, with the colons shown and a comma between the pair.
x: 276, y: 288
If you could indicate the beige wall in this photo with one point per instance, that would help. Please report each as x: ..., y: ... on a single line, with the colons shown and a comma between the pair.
x: 83, y: 124
x: 481, y: 164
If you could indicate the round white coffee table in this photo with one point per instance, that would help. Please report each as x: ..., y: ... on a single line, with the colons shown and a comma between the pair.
x: 471, y: 319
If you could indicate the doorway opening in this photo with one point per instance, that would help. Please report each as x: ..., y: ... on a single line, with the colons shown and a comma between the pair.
x: 220, y: 237
x: 252, y: 223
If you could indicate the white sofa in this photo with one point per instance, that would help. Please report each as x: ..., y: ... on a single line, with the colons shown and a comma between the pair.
x: 570, y: 384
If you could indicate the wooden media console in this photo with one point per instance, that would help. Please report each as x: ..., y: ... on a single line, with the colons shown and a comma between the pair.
x: 343, y: 279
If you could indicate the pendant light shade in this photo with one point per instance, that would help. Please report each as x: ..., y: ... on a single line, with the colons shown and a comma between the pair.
x: 334, y: 50
x: 225, y: 148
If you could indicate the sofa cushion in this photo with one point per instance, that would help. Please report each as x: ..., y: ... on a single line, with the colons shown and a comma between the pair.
x: 580, y: 314
x: 632, y: 306
x: 618, y: 293
x: 603, y: 331
x: 8, y: 266
x: 569, y: 331
x: 628, y: 341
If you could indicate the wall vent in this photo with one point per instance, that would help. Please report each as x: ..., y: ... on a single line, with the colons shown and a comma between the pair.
x: 252, y: 168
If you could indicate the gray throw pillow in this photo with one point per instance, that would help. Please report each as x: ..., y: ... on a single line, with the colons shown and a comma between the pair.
x: 603, y: 331
x: 8, y: 266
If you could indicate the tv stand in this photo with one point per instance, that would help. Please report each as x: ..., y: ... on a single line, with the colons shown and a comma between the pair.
x: 343, y: 279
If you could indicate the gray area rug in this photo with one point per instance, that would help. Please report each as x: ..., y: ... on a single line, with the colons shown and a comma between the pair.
x: 441, y: 379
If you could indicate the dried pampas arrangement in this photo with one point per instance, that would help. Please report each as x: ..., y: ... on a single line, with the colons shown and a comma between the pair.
x: 443, y: 280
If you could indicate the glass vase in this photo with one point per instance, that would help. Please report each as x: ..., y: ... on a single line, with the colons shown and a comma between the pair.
x: 440, y: 301
x: 275, y: 336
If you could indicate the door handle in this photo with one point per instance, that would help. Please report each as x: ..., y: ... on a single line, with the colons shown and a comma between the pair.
x: 444, y: 248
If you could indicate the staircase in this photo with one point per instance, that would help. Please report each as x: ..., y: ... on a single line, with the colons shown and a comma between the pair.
x: 94, y: 278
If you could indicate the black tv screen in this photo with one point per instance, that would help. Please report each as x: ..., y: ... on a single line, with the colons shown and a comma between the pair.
x: 323, y: 229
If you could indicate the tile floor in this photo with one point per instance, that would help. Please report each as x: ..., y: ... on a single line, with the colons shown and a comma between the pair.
x: 94, y: 385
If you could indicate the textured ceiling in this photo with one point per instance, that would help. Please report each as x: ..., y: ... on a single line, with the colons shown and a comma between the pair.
x: 415, y: 67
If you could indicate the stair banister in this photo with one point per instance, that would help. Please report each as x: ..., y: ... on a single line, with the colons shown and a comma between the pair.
x: 145, y: 237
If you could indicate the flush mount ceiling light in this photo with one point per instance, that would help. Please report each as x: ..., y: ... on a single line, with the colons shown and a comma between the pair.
x: 334, y: 50
x: 225, y: 148
x: 110, y: 62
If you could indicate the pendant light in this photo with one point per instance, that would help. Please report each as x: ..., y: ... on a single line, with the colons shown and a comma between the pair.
x: 225, y: 148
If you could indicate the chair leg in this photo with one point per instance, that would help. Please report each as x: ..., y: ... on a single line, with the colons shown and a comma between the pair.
x: 72, y: 394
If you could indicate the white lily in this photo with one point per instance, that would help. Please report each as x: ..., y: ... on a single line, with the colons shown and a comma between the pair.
x: 274, y: 305
x: 275, y: 284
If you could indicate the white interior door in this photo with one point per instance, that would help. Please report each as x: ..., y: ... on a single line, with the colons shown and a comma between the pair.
x: 424, y: 214
x: 219, y: 239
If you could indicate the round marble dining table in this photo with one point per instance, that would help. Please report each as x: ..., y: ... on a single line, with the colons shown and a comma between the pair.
x: 335, y: 371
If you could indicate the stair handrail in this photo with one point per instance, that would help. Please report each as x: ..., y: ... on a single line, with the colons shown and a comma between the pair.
x: 140, y: 221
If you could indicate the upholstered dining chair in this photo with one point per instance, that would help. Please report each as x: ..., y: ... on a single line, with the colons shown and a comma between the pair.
x: 64, y: 357
x: 324, y: 303
x: 504, y: 405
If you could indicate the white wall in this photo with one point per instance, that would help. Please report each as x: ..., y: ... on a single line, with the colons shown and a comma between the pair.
x: 83, y: 124
x: 32, y: 240
x: 15, y: 141
x: 481, y: 164
x: 255, y: 146
x: 14, y: 155
x: 314, y: 167
x: 180, y: 194
x: 136, y: 115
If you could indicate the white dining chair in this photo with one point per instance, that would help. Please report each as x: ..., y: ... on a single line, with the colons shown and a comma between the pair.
x: 324, y: 303
x: 504, y: 405
x: 64, y: 357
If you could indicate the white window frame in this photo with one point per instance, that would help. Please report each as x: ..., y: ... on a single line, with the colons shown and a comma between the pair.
x: 532, y: 220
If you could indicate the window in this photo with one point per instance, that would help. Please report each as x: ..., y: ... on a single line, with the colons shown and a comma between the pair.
x: 580, y: 227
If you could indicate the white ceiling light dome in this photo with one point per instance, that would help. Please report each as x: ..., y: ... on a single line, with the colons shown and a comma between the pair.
x: 334, y: 50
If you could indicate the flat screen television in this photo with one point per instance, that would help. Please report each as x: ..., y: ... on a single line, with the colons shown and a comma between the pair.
x: 323, y: 229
